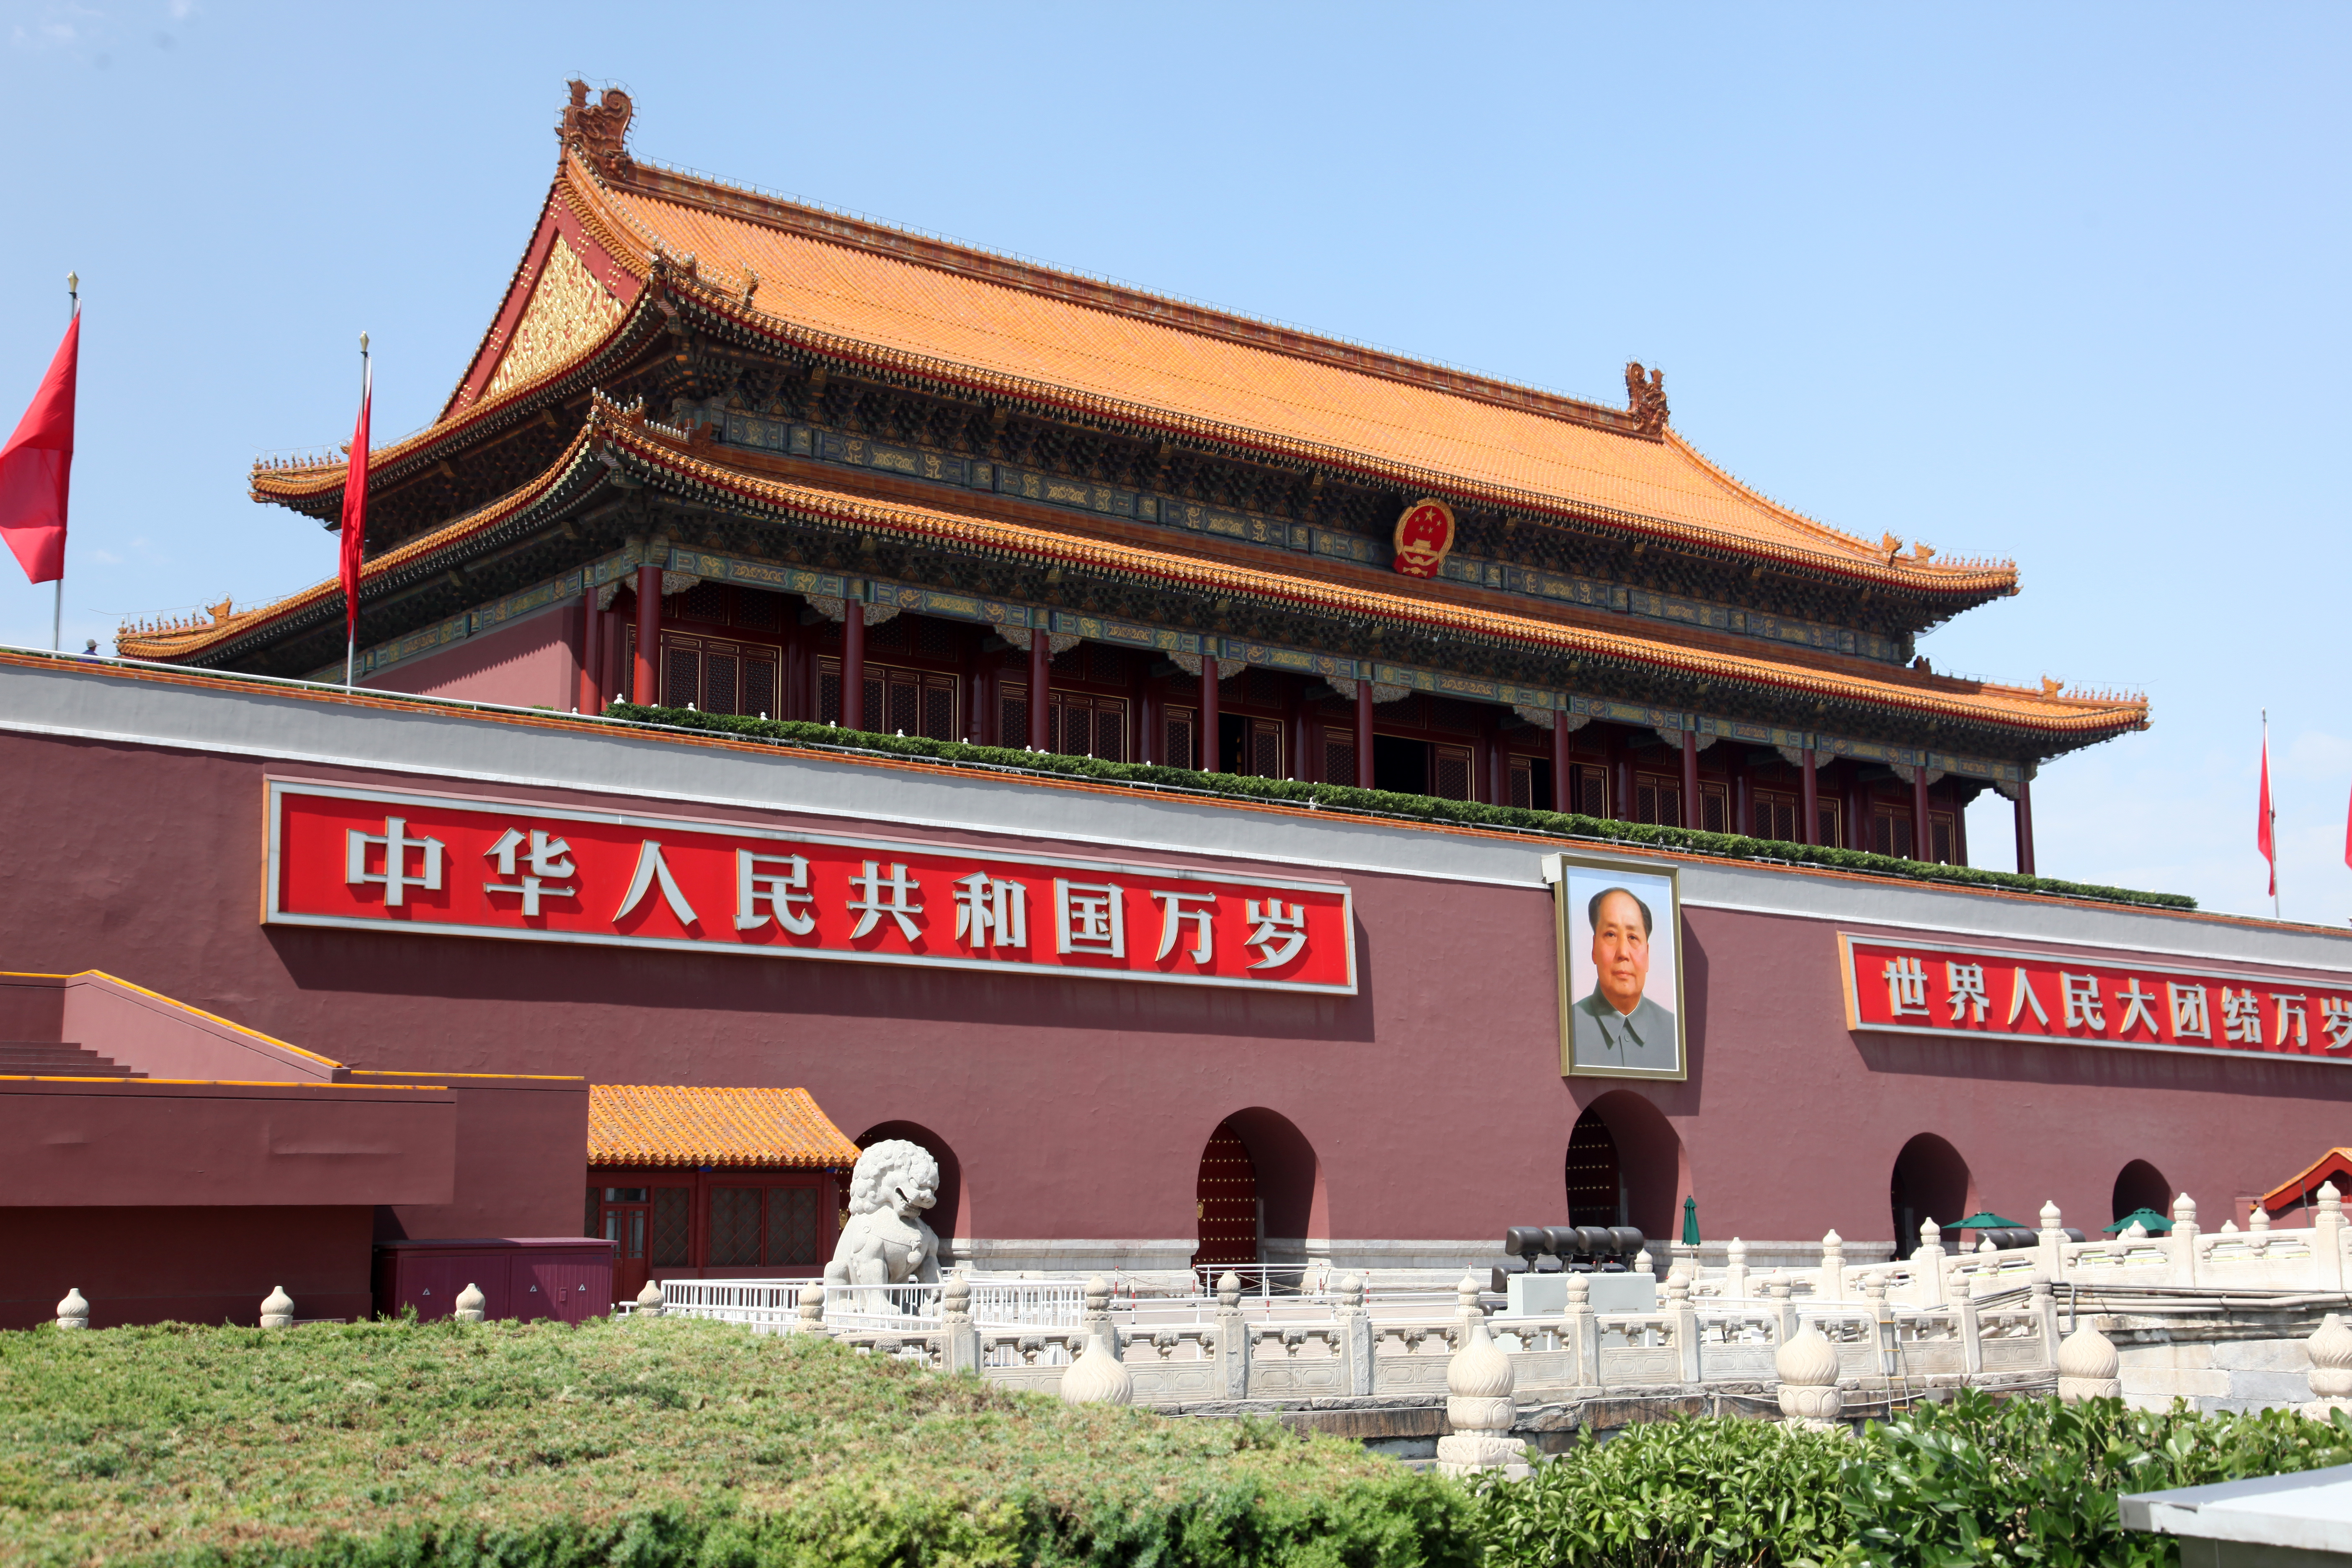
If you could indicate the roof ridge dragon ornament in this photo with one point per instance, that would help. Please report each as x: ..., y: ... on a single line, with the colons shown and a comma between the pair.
x: 598, y: 133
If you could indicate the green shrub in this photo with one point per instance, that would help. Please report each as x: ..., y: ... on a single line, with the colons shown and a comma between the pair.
x: 2015, y: 1483
x: 1380, y: 803
x: 1708, y: 1493
x: 647, y: 1444
x: 2025, y: 1481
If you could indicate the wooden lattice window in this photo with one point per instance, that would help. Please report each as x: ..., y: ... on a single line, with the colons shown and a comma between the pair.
x: 792, y: 1227
x: 673, y: 1226
x: 1942, y: 832
x: 757, y: 610
x: 908, y: 701
x: 1339, y: 757
x: 1266, y: 748
x: 1658, y: 799
x: 1776, y: 815
x: 1179, y: 727
x: 705, y: 601
x: 1832, y: 819
x: 1450, y: 773
x: 717, y: 677
x: 1589, y: 789
x: 1715, y: 807
x: 1890, y: 833
x: 734, y: 1227
x: 1085, y: 726
x: 1523, y: 782
x: 1012, y: 716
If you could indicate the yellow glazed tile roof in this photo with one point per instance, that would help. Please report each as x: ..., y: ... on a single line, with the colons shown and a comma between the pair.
x: 683, y: 1125
x: 969, y: 317
x: 932, y: 313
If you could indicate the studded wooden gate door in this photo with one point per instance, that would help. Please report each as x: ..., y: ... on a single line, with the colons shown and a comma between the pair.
x: 1227, y: 1202
x: 1596, y: 1188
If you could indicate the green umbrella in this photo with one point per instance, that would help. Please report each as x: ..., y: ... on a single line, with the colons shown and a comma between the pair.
x: 2149, y: 1220
x: 1984, y: 1219
x: 1690, y: 1222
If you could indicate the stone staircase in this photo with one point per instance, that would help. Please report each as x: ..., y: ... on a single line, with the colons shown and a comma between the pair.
x: 51, y: 1058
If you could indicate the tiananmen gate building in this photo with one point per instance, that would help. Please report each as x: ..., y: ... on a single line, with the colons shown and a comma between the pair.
x: 1112, y: 601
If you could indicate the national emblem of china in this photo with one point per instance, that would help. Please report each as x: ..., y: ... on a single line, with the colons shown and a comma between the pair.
x: 1423, y: 535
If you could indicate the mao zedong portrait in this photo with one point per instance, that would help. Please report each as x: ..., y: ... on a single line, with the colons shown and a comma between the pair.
x: 1617, y: 1025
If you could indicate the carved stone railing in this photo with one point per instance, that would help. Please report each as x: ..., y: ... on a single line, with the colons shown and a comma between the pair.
x: 1690, y: 1345
x: 2316, y: 1260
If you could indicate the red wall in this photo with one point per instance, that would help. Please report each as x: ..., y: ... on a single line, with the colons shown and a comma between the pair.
x: 531, y: 664
x: 189, y: 1265
x: 1431, y: 1103
x: 72, y: 1143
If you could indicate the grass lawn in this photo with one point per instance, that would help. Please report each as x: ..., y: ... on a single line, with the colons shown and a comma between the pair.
x: 641, y: 1443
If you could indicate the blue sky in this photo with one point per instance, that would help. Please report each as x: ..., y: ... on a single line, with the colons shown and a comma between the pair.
x: 2064, y: 284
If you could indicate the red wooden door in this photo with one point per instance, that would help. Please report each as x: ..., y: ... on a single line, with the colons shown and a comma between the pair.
x: 628, y: 1218
x: 1227, y: 1202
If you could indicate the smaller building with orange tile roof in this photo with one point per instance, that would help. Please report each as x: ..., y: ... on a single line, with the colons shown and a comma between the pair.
x: 692, y: 1182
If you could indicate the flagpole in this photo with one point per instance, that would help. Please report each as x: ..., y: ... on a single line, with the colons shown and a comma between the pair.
x: 2272, y: 823
x: 57, y: 600
x: 352, y: 634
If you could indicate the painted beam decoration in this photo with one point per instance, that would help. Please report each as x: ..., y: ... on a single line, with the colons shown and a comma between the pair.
x: 1923, y: 988
x: 461, y: 866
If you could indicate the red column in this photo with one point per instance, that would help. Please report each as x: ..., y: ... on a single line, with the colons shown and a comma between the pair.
x: 2024, y: 827
x: 591, y: 646
x: 1743, y: 796
x: 1620, y: 777
x: 1922, y: 841
x: 1498, y: 785
x: 644, y: 686
x: 1809, y: 803
x: 1563, y: 765
x: 1691, y: 815
x: 853, y: 665
x: 1150, y: 733
x: 1041, y: 689
x: 1363, y: 733
x: 1208, y: 743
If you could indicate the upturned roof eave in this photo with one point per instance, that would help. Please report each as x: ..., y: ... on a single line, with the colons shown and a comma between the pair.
x: 612, y: 440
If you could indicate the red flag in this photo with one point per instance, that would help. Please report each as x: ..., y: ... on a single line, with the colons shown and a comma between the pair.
x: 2263, y: 828
x: 2348, y: 837
x: 355, y: 508
x: 37, y: 468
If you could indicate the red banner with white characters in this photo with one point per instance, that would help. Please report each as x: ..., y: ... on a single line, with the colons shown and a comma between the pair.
x: 1926, y: 988
x: 453, y: 866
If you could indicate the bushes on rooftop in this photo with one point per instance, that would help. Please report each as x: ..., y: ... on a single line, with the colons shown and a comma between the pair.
x: 1345, y: 798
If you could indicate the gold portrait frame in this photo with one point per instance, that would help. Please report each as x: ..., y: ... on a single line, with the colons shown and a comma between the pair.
x: 1565, y: 873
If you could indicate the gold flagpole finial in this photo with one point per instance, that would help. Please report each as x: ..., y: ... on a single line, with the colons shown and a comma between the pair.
x: 73, y: 282
x: 362, y: 342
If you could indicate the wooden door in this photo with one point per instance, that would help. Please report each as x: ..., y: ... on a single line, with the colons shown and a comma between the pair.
x: 1227, y: 1203
x: 627, y: 1220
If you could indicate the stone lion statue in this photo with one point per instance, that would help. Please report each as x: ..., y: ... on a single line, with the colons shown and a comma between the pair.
x: 886, y: 1241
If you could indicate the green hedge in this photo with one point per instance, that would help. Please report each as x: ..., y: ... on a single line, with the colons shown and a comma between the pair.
x: 648, y: 1444
x: 1418, y: 808
x: 1977, y: 1483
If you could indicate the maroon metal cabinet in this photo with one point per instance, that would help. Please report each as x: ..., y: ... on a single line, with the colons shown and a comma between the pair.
x: 572, y: 1282
x: 564, y: 1277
